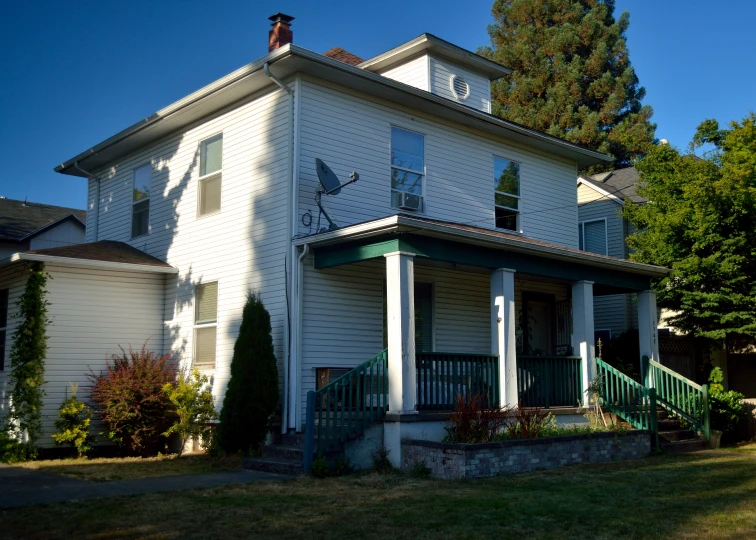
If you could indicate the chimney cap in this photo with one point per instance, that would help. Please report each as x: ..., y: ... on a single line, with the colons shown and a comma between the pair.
x: 280, y: 18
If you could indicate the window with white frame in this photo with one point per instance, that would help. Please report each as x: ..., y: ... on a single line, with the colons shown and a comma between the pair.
x: 3, y: 325
x: 592, y: 236
x: 211, y: 173
x: 407, y: 169
x: 140, y: 204
x: 205, y: 324
x: 506, y: 193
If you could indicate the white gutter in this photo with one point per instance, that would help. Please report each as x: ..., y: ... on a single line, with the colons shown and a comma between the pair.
x: 88, y: 263
x: 288, y: 373
x: 97, y: 200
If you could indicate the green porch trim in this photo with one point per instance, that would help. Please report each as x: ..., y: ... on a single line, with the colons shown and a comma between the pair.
x: 607, y: 281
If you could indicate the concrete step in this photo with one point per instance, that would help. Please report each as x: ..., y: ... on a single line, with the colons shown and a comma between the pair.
x: 681, y: 447
x: 294, y: 453
x: 669, y: 425
x: 274, y: 465
x: 292, y: 439
x: 677, y: 435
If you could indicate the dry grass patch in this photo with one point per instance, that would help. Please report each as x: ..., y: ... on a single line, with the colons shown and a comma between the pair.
x: 693, y: 496
x: 108, y: 469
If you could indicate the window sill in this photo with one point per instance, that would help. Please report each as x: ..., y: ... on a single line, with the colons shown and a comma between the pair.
x: 203, y: 216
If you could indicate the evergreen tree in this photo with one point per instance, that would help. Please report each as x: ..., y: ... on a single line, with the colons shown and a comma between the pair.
x: 252, y: 393
x: 572, y: 76
x: 27, y: 360
x: 700, y: 223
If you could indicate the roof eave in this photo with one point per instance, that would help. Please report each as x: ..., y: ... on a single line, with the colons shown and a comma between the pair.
x: 88, y: 263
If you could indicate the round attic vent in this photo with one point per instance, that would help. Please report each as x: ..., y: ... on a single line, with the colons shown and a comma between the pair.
x: 459, y: 87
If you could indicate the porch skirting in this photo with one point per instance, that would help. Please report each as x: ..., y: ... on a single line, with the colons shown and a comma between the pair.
x: 450, y: 461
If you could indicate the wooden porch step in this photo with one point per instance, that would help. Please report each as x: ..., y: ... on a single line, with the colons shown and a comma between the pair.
x: 275, y: 465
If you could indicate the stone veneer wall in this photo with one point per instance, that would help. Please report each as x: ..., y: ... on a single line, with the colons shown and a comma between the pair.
x: 448, y: 460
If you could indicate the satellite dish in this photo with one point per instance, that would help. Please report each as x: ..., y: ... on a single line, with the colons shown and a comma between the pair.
x: 327, y: 177
x: 331, y: 185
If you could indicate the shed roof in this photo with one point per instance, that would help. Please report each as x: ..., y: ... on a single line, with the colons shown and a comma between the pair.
x: 104, y: 250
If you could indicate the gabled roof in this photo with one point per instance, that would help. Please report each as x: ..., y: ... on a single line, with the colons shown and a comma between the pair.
x: 617, y: 185
x: 21, y: 220
x: 105, y: 254
x: 432, y: 44
x: 337, y: 53
x: 290, y: 60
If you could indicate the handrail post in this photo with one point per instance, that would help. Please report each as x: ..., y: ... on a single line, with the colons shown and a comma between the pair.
x: 645, y: 368
x: 309, y: 432
x: 654, y: 415
x: 705, y: 399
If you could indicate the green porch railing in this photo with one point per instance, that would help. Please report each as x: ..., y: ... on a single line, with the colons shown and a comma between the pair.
x: 345, y: 407
x: 441, y: 377
x: 628, y: 399
x: 678, y: 395
x: 550, y: 381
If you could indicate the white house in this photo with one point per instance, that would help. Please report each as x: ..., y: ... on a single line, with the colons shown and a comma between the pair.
x: 460, y: 227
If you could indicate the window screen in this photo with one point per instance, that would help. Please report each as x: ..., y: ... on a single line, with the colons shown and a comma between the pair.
x: 204, y: 347
x: 424, y: 317
x: 206, y: 307
x: 211, y: 165
x: 140, y: 210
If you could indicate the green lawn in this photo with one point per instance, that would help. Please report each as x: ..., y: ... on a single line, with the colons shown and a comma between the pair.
x: 693, y: 496
x: 108, y: 469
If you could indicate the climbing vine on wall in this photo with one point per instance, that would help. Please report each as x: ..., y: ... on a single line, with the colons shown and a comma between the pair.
x: 27, y: 361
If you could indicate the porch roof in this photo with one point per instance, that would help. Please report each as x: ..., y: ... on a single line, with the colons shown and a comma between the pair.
x: 476, y: 246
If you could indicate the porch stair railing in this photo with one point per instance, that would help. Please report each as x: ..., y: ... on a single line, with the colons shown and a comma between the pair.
x: 441, y: 377
x: 344, y: 408
x: 634, y: 403
x: 549, y: 381
x: 678, y: 395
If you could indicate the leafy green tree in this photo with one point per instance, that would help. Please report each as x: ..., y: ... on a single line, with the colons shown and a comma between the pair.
x: 700, y: 224
x: 572, y: 76
x: 74, y: 419
x: 27, y: 359
x: 193, y: 404
x: 252, y: 393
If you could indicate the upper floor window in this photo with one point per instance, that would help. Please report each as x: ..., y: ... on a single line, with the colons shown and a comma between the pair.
x: 592, y: 236
x: 3, y: 325
x: 407, y: 169
x: 506, y: 193
x: 205, y: 324
x: 140, y: 206
x: 211, y: 167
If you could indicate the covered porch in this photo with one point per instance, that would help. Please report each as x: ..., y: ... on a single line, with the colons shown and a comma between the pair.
x: 525, y: 334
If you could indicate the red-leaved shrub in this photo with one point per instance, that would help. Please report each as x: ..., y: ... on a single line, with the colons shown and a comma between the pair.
x: 474, y: 421
x: 130, y: 400
x: 527, y: 423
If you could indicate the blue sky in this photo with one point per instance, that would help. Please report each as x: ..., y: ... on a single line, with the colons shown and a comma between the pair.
x: 75, y: 73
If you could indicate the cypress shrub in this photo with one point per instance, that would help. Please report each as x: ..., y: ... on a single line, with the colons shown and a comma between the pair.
x: 252, y: 393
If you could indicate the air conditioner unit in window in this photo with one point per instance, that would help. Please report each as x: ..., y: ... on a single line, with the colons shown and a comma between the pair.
x: 410, y: 201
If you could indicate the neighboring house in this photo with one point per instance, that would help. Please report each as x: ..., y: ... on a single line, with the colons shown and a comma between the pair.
x: 602, y: 229
x: 458, y: 237
x: 26, y: 225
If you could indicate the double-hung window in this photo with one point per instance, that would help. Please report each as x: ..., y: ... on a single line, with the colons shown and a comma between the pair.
x: 211, y: 173
x: 592, y: 236
x: 3, y: 325
x: 205, y: 324
x: 506, y: 193
x: 140, y: 204
x: 407, y: 169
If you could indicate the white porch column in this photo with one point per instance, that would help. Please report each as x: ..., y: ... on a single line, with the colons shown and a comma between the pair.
x: 648, y: 335
x: 503, y: 334
x: 400, y: 302
x: 582, y: 331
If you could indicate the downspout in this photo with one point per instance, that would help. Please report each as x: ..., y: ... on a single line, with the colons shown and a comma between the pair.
x: 296, y: 402
x: 285, y: 413
x: 97, y: 198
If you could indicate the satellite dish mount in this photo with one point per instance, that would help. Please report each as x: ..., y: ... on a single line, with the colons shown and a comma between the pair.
x: 329, y: 185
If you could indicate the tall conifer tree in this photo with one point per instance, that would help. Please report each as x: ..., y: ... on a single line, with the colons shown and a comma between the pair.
x: 572, y: 76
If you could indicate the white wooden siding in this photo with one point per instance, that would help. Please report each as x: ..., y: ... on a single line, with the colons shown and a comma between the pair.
x: 441, y: 71
x: 243, y: 247
x: 414, y: 73
x: 12, y: 278
x: 63, y: 234
x: 351, y: 133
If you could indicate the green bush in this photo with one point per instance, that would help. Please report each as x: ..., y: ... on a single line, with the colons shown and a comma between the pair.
x: 74, y: 419
x: 193, y: 405
x: 130, y: 399
x: 727, y: 408
x: 11, y: 451
x: 252, y: 393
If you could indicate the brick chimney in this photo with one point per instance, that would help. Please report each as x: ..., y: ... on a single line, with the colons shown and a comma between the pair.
x: 281, y: 33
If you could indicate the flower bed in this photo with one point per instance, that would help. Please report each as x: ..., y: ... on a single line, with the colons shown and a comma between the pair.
x: 454, y: 460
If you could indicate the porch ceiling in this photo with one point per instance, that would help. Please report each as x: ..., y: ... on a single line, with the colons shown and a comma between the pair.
x: 459, y: 244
